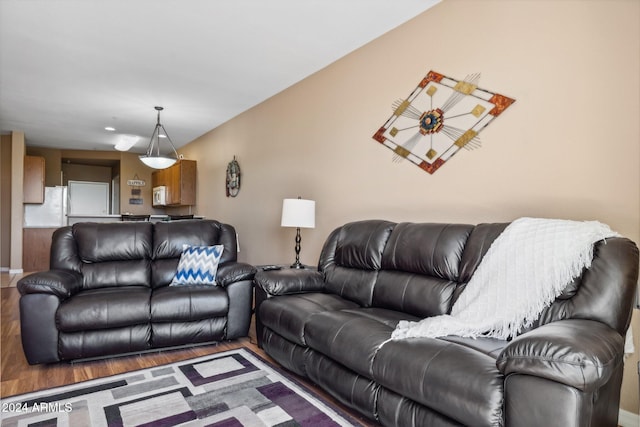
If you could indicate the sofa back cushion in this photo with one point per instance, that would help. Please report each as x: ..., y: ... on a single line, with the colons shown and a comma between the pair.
x: 113, y: 254
x: 420, y: 268
x: 169, y: 238
x: 351, y: 258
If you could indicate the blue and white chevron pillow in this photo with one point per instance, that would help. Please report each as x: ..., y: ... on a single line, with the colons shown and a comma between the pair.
x: 198, y: 265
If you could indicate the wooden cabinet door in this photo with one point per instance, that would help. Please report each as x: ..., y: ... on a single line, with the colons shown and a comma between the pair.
x: 157, y: 178
x: 184, y: 183
x: 33, y: 180
x: 36, y: 248
x: 180, y: 180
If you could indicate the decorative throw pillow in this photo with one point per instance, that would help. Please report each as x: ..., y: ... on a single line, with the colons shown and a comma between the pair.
x: 198, y: 265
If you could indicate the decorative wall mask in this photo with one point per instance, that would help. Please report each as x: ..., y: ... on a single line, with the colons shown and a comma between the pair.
x: 441, y: 116
x: 233, y: 178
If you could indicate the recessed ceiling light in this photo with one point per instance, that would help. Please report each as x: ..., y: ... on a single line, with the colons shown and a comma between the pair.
x: 110, y: 129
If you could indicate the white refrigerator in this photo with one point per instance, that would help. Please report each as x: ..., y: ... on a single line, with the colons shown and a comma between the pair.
x: 52, y: 213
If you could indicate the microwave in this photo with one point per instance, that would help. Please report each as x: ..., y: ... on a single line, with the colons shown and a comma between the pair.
x: 159, y: 196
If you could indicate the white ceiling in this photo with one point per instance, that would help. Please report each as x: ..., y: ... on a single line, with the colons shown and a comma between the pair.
x: 69, y: 68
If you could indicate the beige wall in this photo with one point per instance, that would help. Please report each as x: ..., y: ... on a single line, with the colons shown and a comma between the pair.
x: 16, y: 198
x: 5, y: 205
x: 568, y: 148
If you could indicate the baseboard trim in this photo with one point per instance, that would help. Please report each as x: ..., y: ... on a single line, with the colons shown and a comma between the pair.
x: 16, y: 271
x: 628, y: 419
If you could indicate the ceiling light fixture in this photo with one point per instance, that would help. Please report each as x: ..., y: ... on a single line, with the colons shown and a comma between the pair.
x: 110, y: 129
x: 125, y: 142
x: 153, y: 158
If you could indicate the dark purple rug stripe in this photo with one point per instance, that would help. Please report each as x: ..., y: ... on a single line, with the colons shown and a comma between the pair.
x: 303, y: 412
x: 229, y: 422
x: 45, y: 423
x: 173, y: 420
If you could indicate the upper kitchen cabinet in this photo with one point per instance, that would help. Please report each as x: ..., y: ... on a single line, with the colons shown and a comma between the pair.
x: 180, y: 183
x: 33, y: 184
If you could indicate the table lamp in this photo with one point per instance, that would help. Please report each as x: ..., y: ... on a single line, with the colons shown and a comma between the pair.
x: 299, y: 213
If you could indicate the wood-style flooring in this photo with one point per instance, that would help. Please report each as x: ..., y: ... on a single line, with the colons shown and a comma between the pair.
x: 17, y: 376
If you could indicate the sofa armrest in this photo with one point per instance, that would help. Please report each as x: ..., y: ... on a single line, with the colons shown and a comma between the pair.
x: 579, y: 353
x: 61, y: 283
x: 231, y: 272
x: 289, y: 281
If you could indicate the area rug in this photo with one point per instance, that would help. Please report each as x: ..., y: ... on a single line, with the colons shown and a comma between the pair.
x: 233, y: 388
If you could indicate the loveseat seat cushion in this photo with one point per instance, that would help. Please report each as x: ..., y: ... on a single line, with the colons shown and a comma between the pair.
x: 104, y: 308
x: 98, y: 343
x: 188, y: 303
x: 168, y: 334
x: 289, y: 314
x: 452, y: 379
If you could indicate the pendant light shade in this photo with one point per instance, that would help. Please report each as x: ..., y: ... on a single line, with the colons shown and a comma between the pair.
x: 153, y: 157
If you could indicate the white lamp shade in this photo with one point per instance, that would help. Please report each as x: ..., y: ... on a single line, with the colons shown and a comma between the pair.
x: 298, y: 213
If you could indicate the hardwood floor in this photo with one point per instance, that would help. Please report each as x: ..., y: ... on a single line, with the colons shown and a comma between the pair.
x: 17, y: 376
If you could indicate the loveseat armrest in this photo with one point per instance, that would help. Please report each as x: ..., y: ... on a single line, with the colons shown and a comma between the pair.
x: 231, y: 272
x: 289, y: 281
x: 579, y: 353
x: 61, y: 283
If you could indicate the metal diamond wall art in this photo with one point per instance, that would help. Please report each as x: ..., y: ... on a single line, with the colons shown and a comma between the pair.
x: 441, y: 116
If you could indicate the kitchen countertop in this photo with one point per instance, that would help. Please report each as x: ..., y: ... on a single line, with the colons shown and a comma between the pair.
x: 72, y: 219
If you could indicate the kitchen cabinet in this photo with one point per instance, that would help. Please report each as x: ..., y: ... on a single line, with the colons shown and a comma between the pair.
x: 180, y: 182
x: 36, y: 248
x: 33, y: 180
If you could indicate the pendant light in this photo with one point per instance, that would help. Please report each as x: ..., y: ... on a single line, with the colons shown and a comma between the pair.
x: 153, y: 158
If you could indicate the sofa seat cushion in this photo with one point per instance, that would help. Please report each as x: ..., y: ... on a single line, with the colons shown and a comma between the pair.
x: 351, y: 337
x: 104, y: 308
x: 490, y: 346
x: 288, y: 314
x: 450, y: 378
x: 188, y: 303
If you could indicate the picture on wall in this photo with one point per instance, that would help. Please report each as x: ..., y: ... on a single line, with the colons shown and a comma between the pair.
x: 441, y: 116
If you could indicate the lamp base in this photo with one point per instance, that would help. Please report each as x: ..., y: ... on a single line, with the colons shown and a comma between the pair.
x: 297, y: 264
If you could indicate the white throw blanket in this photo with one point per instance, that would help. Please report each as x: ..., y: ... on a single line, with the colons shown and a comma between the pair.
x: 525, y: 270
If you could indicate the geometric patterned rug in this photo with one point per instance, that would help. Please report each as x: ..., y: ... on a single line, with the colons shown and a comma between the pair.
x: 229, y: 389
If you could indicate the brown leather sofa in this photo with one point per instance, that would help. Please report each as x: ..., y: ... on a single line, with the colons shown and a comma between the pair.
x: 328, y: 325
x: 107, y: 292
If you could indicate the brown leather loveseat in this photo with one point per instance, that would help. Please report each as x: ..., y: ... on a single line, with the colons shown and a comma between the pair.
x: 333, y: 325
x: 108, y: 292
